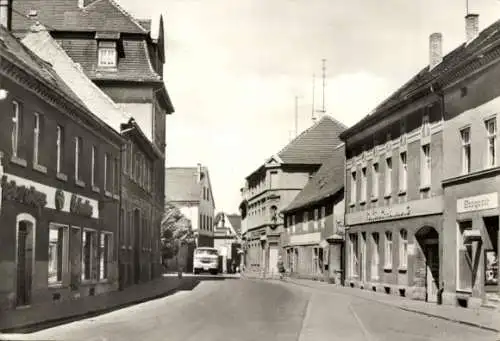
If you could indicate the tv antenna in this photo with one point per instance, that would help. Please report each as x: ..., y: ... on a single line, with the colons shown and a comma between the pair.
x: 322, y: 111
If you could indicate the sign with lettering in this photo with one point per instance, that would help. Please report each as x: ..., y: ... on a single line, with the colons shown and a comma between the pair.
x: 412, y: 208
x: 478, y: 203
x: 22, y: 194
x: 390, y: 212
x: 303, y: 239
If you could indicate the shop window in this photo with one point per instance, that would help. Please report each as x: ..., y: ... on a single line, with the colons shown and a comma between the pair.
x: 464, y: 259
x: 105, y: 243
x: 58, y: 240
x: 403, y: 249
x: 491, y: 254
x: 353, y: 252
x: 388, y: 250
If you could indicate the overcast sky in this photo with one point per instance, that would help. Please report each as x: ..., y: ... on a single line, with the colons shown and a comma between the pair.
x: 233, y: 68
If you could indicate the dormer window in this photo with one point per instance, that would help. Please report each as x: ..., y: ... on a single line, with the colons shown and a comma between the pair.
x: 107, y: 56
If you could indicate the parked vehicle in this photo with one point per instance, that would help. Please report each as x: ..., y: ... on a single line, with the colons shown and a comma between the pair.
x: 206, y: 259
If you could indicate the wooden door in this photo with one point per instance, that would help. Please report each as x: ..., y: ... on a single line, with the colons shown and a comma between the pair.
x: 24, y: 265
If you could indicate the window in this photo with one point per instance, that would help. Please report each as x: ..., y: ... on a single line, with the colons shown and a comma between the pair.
x: 403, y: 249
x: 316, y: 218
x: 402, y: 129
x: 107, y: 54
x: 78, y: 156
x: 16, y: 128
x: 106, y: 171
x: 353, y: 187
x: 464, y: 258
x: 60, y: 148
x: 388, y: 250
x: 323, y: 217
x: 465, y: 138
x: 363, y: 184
x: 375, y: 180
x: 425, y: 171
x: 104, y: 254
x: 293, y: 223
x: 115, y: 176
x: 125, y: 159
x: 353, y: 260
x: 94, y: 165
x: 388, y: 176
x: 491, y: 131
x: 403, y: 172
x: 375, y: 256
x: 88, y: 254
x: 37, y: 138
x: 57, y: 261
x: 305, y: 221
x: 426, y: 127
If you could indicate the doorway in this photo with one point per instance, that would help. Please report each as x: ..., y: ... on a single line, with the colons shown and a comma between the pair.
x: 428, y: 239
x: 25, y: 260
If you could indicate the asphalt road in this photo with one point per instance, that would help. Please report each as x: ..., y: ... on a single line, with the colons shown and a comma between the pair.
x: 258, y: 310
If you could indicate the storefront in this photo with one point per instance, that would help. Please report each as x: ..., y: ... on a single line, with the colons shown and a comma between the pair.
x: 471, y: 223
x: 396, y: 249
x: 56, y: 244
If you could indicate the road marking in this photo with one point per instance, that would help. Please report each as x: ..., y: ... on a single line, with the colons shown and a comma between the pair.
x: 367, y: 335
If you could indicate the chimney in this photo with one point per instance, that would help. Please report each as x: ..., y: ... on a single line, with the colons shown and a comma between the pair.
x: 6, y: 14
x: 198, y: 172
x: 435, y: 50
x: 471, y: 26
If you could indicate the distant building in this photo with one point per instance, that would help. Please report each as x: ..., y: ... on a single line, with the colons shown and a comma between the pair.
x: 274, y: 185
x: 313, y: 238
x: 227, y: 239
x: 190, y: 189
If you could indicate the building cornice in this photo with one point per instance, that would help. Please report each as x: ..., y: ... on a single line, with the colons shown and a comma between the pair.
x: 484, y: 173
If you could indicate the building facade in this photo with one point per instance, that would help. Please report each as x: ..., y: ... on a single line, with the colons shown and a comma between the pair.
x: 124, y: 58
x: 471, y: 174
x: 227, y: 239
x: 313, y: 238
x: 59, y: 239
x: 190, y: 189
x: 274, y: 185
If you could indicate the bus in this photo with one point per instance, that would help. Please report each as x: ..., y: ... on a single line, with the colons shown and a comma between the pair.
x: 206, y: 259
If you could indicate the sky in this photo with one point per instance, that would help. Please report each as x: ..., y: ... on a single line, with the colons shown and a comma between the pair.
x: 233, y: 69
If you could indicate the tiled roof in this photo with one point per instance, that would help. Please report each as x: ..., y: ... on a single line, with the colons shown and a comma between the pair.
x: 315, y: 144
x: 463, y: 59
x: 134, y: 66
x: 326, y: 182
x: 26, y: 59
x: 42, y: 43
x: 65, y: 15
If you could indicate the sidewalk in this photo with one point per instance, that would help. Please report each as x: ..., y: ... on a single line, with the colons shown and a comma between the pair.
x: 47, y: 315
x: 484, y: 318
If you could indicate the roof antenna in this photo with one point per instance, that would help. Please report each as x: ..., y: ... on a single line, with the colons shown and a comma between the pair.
x: 466, y: 7
x: 323, y: 70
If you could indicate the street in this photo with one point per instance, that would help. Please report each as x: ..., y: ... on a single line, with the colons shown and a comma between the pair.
x: 234, y: 309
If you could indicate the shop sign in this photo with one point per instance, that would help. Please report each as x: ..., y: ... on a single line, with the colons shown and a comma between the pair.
x: 391, y: 212
x: 303, y: 239
x: 478, y: 203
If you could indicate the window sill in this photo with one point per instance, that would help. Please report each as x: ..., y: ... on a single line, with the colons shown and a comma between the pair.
x: 123, y: 247
x: 387, y: 196
x: 373, y: 199
x: 362, y: 202
x: 96, y: 189
x: 62, y: 177
x: 388, y: 268
x: 18, y: 161
x: 402, y: 192
x: 40, y: 168
x: 375, y: 278
x: 425, y: 188
x: 108, y: 194
x: 80, y: 183
x: 352, y: 204
x: 403, y: 269
x: 103, y: 68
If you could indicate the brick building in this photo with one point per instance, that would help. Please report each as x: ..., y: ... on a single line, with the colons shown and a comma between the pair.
x: 274, y: 185
x: 59, y: 238
x: 313, y: 237
x: 124, y: 57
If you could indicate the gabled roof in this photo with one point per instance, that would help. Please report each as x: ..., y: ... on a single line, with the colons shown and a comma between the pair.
x: 315, y: 144
x: 41, y: 42
x: 328, y: 181
x: 235, y: 220
x: 65, y: 15
x: 462, y: 60
x: 312, y: 147
x: 181, y: 184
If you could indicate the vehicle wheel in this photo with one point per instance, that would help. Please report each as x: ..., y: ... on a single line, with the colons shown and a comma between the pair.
x: 196, y: 271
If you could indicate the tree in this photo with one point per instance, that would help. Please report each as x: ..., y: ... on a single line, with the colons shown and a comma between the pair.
x: 175, y: 231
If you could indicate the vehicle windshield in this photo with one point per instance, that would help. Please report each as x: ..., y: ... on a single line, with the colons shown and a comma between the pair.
x: 204, y: 252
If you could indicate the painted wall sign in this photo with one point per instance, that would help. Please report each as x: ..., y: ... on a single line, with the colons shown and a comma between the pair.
x: 303, y: 239
x: 413, y: 208
x: 477, y: 203
x: 50, y: 193
x: 23, y: 194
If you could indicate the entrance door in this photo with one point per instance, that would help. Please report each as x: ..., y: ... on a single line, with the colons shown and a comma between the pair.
x: 24, y: 263
x: 432, y: 271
